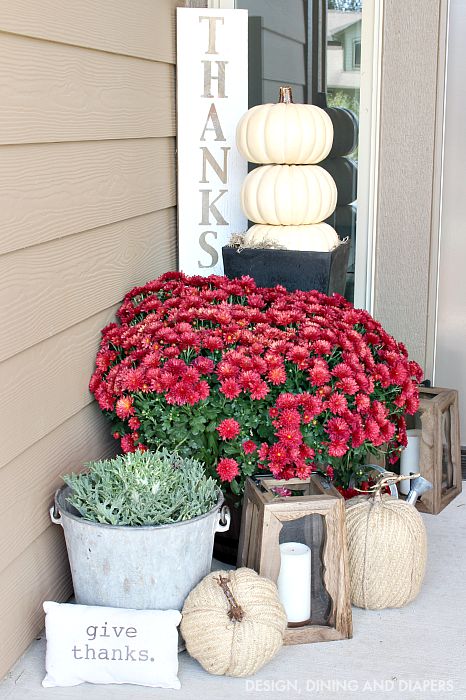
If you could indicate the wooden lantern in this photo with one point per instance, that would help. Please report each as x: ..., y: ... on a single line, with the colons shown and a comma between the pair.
x: 440, y: 447
x: 315, y: 516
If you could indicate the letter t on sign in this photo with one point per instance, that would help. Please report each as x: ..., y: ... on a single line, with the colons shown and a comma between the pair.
x: 212, y: 97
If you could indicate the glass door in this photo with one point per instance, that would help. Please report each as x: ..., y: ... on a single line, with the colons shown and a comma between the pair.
x: 321, y: 49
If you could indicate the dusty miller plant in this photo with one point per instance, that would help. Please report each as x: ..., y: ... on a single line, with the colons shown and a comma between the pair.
x: 142, y: 488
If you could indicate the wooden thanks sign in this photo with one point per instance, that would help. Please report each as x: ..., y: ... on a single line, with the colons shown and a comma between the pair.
x: 212, y: 87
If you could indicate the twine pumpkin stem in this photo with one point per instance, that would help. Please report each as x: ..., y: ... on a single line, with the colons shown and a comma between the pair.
x: 386, y: 479
x: 235, y: 612
x: 285, y: 96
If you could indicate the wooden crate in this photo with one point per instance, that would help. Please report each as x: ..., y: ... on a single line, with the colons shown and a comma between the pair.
x: 318, y: 514
x: 440, y: 448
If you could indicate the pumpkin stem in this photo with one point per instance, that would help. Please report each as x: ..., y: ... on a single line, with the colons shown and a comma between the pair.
x: 386, y: 479
x: 285, y: 95
x: 235, y: 612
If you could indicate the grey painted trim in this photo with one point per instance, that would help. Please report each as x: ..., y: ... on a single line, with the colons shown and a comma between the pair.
x: 437, y: 193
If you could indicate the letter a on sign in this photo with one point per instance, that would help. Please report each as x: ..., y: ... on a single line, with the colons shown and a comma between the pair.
x: 212, y: 75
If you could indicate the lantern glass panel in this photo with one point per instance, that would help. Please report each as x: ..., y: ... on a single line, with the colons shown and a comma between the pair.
x: 311, y: 530
x: 447, y: 457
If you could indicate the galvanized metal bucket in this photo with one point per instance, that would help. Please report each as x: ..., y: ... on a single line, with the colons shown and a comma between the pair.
x: 153, y: 567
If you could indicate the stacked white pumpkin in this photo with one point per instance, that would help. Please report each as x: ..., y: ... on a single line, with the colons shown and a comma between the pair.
x: 289, y: 196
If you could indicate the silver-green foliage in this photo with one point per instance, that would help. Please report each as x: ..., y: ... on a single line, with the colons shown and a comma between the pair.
x: 142, y: 488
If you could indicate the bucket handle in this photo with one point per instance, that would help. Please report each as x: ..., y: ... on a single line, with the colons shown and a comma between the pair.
x: 224, y: 519
x: 55, y: 515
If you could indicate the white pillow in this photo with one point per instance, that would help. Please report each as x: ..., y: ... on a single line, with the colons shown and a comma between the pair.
x: 87, y: 643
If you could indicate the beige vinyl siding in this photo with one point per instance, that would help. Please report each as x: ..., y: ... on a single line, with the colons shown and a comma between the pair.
x: 87, y: 211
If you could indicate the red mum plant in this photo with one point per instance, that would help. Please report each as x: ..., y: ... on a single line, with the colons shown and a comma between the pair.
x: 250, y: 379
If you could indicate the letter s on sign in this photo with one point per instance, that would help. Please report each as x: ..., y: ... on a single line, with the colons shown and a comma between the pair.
x: 208, y: 249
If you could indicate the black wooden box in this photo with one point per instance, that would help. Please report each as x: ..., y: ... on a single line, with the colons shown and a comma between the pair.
x: 294, y: 269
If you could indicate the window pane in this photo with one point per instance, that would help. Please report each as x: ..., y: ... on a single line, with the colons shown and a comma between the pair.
x: 283, y: 36
x: 344, y: 19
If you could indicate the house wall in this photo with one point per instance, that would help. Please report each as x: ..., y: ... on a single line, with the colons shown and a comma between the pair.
x: 351, y: 34
x: 87, y: 210
x: 412, y: 83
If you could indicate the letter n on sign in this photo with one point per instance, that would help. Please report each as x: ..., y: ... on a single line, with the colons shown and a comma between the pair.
x: 212, y: 77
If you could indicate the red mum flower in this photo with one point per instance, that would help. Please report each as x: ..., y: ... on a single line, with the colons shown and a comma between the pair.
x: 290, y: 436
x: 277, y: 375
x: 303, y: 471
x: 204, y: 364
x: 228, y: 429
x: 249, y: 446
x: 337, y: 449
x: 133, y: 379
x: 287, y: 401
x: 203, y: 390
x: 227, y: 469
x: 322, y: 347
x: 230, y: 388
x: 337, y: 403
x: 357, y: 437
x: 289, y: 418
x: 127, y: 444
x: 338, y: 429
x: 263, y: 451
x: 372, y: 431
x: 299, y: 355
x: 398, y: 373
x: 124, y: 407
x: 312, y: 406
x: 134, y: 423
x: 342, y: 370
x: 362, y: 402
x: 104, y: 399
x: 348, y: 385
x: 319, y: 374
x: 260, y: 391
x: 412, y: 404
x: 387, y: 431
x: 249, y: 379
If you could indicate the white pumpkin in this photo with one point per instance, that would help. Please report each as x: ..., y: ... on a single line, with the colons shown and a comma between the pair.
x: 288, y: 195
x: 316, y: 237
x: 285, y: 133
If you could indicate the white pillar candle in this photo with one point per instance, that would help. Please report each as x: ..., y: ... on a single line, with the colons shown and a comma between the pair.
x: 409, y: 460
x: 294, y: 581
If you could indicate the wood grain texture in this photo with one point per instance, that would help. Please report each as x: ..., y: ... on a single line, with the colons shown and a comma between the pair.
x: 37, y: 574
x: 142, y: 28
x: 25, y: 515
x: 65, y: 281
x: 406, y: 157
x: 47, y: 384
x: 89, y: 95
x: 263, y: 521
x: 439, y: 464
x: 49, y: 191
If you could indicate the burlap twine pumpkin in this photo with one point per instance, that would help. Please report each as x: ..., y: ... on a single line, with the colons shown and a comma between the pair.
x: 387, y: 551
x: 233, y: 622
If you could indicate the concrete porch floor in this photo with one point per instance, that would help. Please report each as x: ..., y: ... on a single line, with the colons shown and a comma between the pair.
x: 416, y: 652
